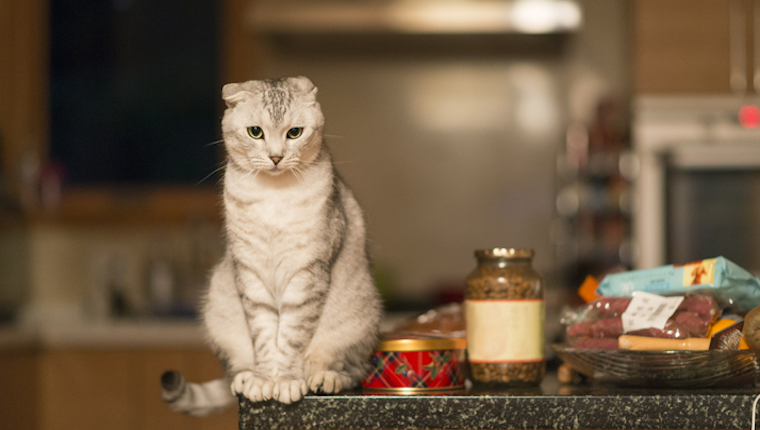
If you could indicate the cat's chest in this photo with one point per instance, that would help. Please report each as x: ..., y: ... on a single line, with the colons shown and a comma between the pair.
x: 272, y: 215
x: 276, y: 235
x: 279, y: 211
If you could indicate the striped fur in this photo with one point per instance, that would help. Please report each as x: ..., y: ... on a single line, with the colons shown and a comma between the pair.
x: 291, y: 307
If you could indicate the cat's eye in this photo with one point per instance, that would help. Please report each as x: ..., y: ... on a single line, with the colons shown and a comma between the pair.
x: 295, y: 132
x: 255, y: 132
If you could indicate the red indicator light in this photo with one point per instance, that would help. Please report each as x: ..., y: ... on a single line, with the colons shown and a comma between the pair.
x: 749, y: 116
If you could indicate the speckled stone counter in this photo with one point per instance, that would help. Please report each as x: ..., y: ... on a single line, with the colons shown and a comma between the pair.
x: 550, y: 406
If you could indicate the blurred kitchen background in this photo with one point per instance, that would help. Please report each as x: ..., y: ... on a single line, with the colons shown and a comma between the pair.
x: 604, y: 134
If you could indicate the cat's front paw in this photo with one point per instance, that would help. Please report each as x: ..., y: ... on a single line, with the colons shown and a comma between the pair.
x: 325, y: 382
x: 251, y: 386
x: 289, y: 390
x: 239, y: 381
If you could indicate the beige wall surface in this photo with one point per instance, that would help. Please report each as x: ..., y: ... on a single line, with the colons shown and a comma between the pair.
x: 450, y: 153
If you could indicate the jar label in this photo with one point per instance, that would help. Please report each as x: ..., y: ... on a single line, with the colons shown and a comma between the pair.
x: 504, y: 331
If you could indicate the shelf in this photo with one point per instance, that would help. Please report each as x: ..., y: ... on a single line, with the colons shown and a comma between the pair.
x: 133, y: 205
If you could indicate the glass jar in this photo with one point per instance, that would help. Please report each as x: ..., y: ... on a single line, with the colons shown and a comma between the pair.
x: 505, y: 314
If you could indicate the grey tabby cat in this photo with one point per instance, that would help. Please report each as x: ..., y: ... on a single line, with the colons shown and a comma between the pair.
x: 292, y: 306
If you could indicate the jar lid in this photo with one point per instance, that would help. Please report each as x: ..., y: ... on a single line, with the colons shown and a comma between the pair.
x: 504, y: 253
x: 420, y: 343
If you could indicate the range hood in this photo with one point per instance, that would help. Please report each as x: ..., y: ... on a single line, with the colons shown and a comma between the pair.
x: 424, y: 17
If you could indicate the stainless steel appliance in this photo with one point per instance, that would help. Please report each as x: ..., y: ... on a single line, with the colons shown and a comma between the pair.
x: 698, y: 187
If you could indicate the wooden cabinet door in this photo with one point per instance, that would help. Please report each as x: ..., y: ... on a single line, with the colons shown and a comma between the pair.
x: 682, y: 46
x: 117, y: 389
x: 19, y: 391
x: 88, y: 389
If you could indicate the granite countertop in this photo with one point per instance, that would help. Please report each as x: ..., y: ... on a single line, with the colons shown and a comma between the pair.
x: 550, y: 406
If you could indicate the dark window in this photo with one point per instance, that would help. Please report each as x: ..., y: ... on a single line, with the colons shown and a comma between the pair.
x: 134, y: 90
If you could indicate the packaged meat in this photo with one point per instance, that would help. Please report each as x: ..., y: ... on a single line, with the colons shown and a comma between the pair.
x: 599, y: 323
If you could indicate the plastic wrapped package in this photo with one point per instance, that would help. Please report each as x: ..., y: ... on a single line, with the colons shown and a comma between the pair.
x: 598, y: 324
x: 443, y: 321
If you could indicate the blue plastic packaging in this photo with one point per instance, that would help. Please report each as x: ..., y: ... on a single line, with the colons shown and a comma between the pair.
x: 719, y: 276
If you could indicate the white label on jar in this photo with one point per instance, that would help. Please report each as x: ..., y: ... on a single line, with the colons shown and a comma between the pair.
x: 503, y: 331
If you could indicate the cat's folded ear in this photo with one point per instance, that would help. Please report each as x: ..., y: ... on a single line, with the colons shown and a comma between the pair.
x: 233, y: 94
x: 306, y: 85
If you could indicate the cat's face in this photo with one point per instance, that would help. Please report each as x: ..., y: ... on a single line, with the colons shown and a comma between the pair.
x: 272, y: 126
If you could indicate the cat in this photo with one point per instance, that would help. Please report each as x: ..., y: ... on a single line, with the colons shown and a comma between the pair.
x: 292, y: 306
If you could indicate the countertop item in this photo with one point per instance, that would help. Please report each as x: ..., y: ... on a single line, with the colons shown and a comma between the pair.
x: 548, y: 406
x: 674, y: 369
x: 506, y: 314
x: 404, y: 364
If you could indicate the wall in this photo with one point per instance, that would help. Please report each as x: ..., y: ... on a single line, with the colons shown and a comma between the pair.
x: 73, y: 267
x: 450, y: 148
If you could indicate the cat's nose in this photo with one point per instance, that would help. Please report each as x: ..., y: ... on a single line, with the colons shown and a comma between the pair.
x: 275, y: 159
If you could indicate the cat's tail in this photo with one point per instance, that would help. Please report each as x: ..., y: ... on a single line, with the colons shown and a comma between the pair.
x: 195, y: 399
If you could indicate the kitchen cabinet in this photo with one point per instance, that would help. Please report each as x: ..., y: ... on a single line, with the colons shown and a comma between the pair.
x: 101, y: 388
x: 695, y: 46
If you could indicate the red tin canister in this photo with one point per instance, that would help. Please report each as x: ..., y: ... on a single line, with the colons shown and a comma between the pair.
x: 417, y: 365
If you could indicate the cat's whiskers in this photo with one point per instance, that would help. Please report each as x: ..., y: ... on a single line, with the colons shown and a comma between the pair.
x: 244, y: 177
x: 329, y: 162
x: 212, y: 173
x: 298, y: 174
x: 216, y: 142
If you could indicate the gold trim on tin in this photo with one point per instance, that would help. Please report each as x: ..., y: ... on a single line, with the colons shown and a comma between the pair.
x: 412, y: 390
x: 429, y: 344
